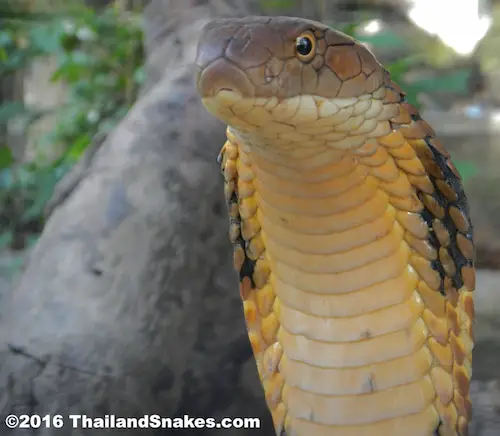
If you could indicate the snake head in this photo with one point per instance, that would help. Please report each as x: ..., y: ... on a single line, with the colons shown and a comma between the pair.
x: 257, y: 72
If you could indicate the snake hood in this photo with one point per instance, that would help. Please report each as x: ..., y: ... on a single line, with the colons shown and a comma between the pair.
x: 351, y: 233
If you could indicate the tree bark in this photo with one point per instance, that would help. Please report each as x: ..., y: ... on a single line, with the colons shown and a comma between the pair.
x: 129, y: 304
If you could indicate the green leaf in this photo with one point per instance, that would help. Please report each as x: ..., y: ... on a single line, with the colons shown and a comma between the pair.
x: 5, y: 38
x: 78, y: 147
x: 278, y: 4
x: 384, y: 39
x: 32, y: 240
x: 140, y: 75
x: 69, y: 71
x: 13, y: 61
x: 82, y: 59
x: 399, y: 68
x: 24, y: 177
x: 101, y: 57
x: 6, y: 158
x: 69, y: 42
x: 455, y: 82
x: 6, y: 179
x: 348, y: 29
x: 466, y: 169
x: 6, y: 239
x: 11, y: 110
x: 46, y: 37
x: 45, y: 182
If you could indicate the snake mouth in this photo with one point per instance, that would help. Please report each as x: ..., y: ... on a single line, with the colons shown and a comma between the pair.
x: 222, y: 85
x: 223, y: 76
x: 273, y: 102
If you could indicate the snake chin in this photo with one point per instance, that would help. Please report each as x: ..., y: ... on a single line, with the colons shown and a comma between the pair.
x: 287, y: 123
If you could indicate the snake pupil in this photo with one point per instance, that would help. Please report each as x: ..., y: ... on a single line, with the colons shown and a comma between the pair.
x: 304, y: 45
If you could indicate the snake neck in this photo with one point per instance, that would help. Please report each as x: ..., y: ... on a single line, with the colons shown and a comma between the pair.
x: 326, y: 225
x: 346, y: 312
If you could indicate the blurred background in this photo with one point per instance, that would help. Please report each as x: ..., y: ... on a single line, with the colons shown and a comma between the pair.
x: 70, y: 71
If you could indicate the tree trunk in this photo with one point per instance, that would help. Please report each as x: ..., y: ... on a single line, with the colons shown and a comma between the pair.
x: 129, y: 304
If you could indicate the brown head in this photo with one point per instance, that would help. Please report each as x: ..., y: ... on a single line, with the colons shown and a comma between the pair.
x: 261, y: 75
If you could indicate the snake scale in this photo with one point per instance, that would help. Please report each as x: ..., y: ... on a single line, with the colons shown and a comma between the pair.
x: 351, y: 233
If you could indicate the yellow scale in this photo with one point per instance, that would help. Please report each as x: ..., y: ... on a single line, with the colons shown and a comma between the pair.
x: 351, y: 233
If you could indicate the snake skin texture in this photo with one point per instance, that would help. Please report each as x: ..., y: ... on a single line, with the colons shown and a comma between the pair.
x: 351, y: 233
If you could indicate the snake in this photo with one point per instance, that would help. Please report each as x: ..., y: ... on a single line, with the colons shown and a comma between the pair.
x: 350, y: 229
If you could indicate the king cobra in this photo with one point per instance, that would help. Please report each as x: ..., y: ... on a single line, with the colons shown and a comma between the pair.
x: 351, y: 233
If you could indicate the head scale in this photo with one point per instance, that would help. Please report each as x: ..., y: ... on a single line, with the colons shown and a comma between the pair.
x: 273, y: 62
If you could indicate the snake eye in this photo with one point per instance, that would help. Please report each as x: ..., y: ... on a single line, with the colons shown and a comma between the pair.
x: 305, y: 46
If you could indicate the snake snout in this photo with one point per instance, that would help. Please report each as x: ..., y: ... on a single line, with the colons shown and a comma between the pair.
x: 223, y: 75
x: 215, y: 72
